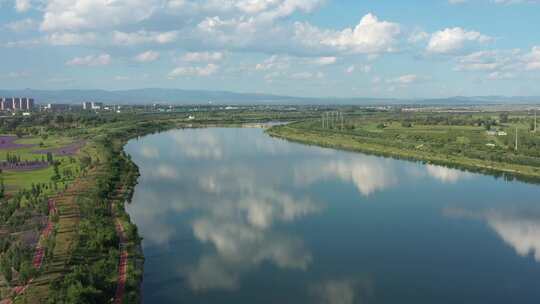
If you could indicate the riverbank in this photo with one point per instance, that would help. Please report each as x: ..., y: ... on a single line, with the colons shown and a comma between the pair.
x: 344, y: 141
x: 88, y: 247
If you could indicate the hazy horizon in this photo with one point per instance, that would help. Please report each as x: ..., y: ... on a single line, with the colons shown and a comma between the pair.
x: 191, y: 97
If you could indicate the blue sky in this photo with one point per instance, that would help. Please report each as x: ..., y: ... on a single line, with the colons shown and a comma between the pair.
x: 343, y: 48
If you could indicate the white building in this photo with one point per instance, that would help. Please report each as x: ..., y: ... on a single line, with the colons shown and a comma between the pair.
x: 92, y: 105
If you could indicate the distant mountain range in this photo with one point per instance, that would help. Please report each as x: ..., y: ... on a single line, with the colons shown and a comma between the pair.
x: 186, y: 97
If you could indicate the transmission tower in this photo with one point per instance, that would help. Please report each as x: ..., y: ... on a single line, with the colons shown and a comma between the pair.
x: 535, y: 121
x: 516, y: 139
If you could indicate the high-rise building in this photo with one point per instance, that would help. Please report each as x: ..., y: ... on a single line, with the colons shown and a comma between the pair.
x: 30, y: 103
x: 16, y: 103
x: 7, y: 104
x: 27, y: 103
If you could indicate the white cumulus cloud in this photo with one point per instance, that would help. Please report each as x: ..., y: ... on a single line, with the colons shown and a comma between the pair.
x: 65, y: 39
x: 532, y: 59
x: 405, y: 79
x: 90, y: 60
x: 325, y: 60
x: 148, y: 56
x: 453, y: 39
x: 200, y: 71
x: 22, y: 5
x: 203, y: 57
x: 142, y: 37
x: 73, y: 15
x: 369, y: 36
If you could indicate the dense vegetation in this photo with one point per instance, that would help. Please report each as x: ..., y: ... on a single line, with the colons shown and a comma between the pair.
x: 91, y: 267
x: 479, y: 141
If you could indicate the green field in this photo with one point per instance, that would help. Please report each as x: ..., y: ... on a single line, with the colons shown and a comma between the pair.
x: 15, y: 180
x: 458, y: 140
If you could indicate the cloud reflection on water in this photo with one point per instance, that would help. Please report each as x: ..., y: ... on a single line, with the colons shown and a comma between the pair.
x: 446, y: 175
x: 239, y: 228
x: 149, y: 152
x: 238, y: 209
x: 523, y: 234
x: 368, y: 174
x: 520, y: 230
x: 240, y: 247
x: 236, y: 213
x: 204, y: 145
x: 343, y: 291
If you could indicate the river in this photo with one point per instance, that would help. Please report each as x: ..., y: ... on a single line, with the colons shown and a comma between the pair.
x: 231, y: 215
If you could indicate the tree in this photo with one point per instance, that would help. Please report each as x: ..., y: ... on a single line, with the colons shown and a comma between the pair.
x: 56, y: 177
x: 503, y: 117
x: 27, y: 271
x: 50, y: 158
x: 59, y: 120
x: 5, y: 268
x: 2, y: 188
x: 406, y: 124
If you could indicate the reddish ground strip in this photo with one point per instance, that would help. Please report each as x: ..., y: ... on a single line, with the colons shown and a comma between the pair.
x: 122, y: 267
x: 24, y: 166
x: 122, y: 278
x: 39, y: 253
x: 70, y: 149
x: 8, y: 143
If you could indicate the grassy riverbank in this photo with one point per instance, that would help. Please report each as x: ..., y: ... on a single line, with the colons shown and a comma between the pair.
x: 416, y: 144
x: 91, y: 187
x: 96, y: 255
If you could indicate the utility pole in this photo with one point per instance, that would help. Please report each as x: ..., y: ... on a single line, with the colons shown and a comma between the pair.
x: 327, y: 120
x: 328, y: 123
x: 342, y: 124
x: 535, y: 121
x: 516, y: 139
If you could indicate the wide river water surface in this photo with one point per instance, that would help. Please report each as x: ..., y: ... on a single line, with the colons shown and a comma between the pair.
x: 235, y: 216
